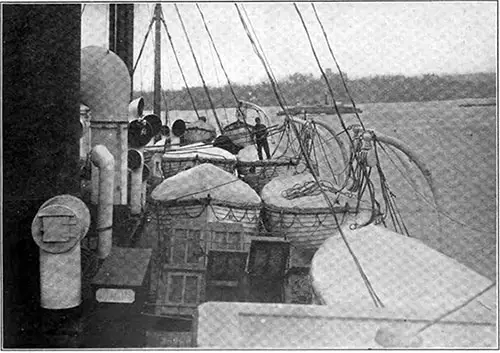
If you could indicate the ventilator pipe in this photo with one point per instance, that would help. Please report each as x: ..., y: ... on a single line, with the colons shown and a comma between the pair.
x: 136, y: 108
x: 103, y: 159
x: 136, y: 165
x: 85, y: 138
x: 58, y: 227
x: 146, y: 173
x: 176, y: 133
x: 175, y: 142
x: 105, y: 85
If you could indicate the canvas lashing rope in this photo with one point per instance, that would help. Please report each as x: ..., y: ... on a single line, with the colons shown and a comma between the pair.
x: 363, y: 275
x: 208, y: 189
x: 309, y: 188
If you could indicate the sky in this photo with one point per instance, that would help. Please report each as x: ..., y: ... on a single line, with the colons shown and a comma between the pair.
x: 367, y: 38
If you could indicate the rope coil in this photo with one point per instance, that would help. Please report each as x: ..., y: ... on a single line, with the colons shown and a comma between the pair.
x: 309, y: 188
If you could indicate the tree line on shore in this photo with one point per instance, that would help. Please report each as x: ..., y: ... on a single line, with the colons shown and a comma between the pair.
x: 310, y: 90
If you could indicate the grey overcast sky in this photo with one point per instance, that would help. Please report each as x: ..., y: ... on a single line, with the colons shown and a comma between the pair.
x: 373, y: 38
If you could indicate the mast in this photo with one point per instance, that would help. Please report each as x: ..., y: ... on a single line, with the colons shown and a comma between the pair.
x: 121, y: 35
x: 157, y: 77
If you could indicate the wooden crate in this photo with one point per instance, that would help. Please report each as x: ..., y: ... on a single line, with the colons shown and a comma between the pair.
x: 180, y: 274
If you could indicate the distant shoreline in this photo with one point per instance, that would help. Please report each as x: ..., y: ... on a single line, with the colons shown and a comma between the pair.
x: 461, y: 102
x: 467, y: 105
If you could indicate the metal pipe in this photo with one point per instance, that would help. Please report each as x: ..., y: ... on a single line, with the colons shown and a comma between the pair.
x: 105, y: 88
x: 175, y: 142
x: 146, y: 173
x: 58, y: 227
x: 61, y: 279
x: 85, y: 138
x: 104, y: 160
x: 136, y: 108
x: 136, y: 165
x: 178, y: 129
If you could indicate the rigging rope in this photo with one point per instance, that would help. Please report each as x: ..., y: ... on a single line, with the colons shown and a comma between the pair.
x: 327, y: 83
x: 389, y: 199
x: 263, y: 53
x: 221, y: 91
x: 362, y: 172
x: 198, y: 68
x: 238, y: 105
x: 326, y: 155
x: 179, y: 65
x: 202, y: 73
x: 164, y: 95
x: 338, y: 66
x: 431, y: 204
x: 364, y: 277
x: 455, y: 309
x: 143, y: 45
x: 262, y: 59
x: 152, y: 89
x: 167, y: 116
x: 322, y: 71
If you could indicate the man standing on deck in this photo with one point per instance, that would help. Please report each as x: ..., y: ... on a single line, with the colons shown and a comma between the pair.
x: 260, y: 133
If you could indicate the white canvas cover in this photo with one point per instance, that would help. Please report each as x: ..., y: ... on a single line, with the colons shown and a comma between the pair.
x: 203, y: 180
x: 272, y: 193
x: 404, y: 272
x: 200, y: 150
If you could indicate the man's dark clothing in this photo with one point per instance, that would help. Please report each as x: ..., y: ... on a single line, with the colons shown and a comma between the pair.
x: 260, y: 133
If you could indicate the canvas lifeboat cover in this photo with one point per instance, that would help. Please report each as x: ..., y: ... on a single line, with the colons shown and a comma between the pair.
x: 248, y: 154
x: 200, y: 150
x: 405, y: 273
x: 200, y: 125
x: 237, y: 125
x: 274, y: 194
x: 203, y: 180
x: 199, y: 131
